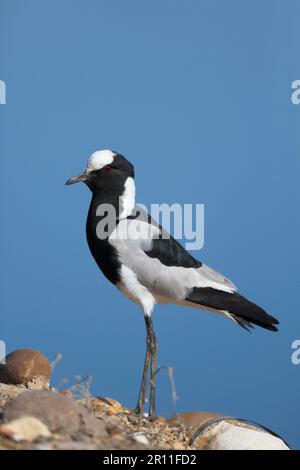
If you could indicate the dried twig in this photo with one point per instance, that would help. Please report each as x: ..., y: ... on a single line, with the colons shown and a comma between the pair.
x: 56, y: 359
x: 82, y: 385
x: 174, y: 396
x: 62, y: 382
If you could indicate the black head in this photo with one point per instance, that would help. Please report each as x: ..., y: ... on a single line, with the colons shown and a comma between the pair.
x: 106, y: 171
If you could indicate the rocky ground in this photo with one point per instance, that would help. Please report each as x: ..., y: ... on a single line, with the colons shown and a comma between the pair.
x: 33, y: 415
x: 32, y: 418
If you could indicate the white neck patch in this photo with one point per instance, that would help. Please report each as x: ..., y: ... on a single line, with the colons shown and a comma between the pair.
x: 100, y: 159
x: 127, y: 200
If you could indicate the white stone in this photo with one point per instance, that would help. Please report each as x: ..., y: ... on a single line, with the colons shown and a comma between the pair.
x: 225, y: 435
x: 27, y: 428
x: 141, y: 438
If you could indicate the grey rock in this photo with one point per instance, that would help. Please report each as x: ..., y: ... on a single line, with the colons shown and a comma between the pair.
x: 58, y: 412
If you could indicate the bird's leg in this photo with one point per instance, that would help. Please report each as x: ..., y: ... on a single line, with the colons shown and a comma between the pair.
x: 142, y: 395
x: 153, y: 348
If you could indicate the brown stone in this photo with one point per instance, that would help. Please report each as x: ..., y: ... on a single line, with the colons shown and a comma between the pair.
x: 25, y: 365
x: 196, y: 418
x: 67, y: 393
x: 107, y: 405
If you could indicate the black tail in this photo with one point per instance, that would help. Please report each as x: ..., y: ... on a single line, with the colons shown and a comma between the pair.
x: 242, y: 310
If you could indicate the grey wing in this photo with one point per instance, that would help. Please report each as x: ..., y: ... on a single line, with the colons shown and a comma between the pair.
x: 158, y: 269
x: 159, y: 262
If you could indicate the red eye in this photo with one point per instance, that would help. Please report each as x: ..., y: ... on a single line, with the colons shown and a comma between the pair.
x: 107, y: 168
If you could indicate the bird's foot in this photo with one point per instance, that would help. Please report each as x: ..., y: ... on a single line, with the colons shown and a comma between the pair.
x: 152, y: 418
x: 139, y: 410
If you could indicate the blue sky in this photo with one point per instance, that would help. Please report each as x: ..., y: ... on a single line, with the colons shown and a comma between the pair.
x: 197, y: 95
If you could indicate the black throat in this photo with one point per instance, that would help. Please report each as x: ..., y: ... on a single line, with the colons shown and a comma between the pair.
x: 102, y: 219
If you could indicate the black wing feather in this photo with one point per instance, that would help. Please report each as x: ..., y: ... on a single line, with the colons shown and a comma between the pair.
x: 171, y: 253
x: 235, y: 304
x: 165, y: 247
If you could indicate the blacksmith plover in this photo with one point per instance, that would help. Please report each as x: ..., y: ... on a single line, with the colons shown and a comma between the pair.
x: 147, y: 264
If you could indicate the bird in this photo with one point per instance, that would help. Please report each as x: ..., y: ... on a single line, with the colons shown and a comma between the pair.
x: 148, y: 265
